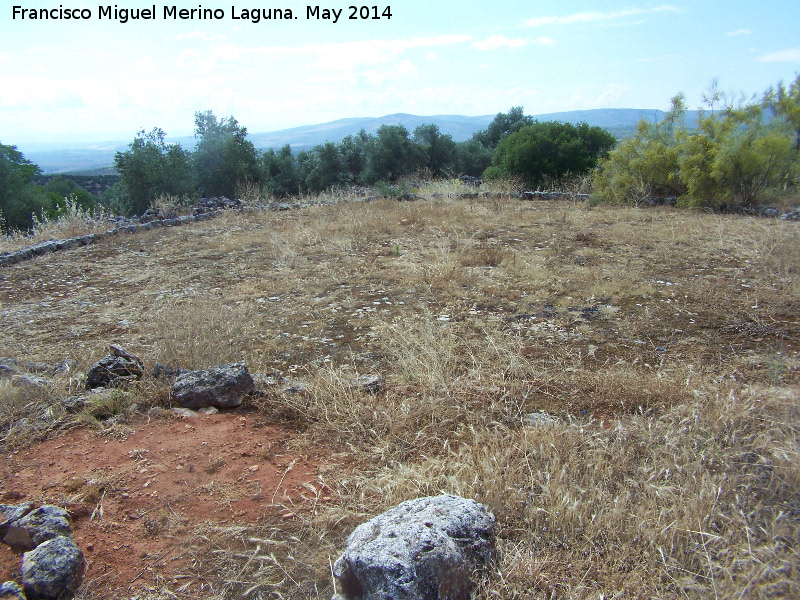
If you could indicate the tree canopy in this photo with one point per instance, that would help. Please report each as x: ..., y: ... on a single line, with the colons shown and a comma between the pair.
x: 550, y: 150
x: 151, y: 168
x: 19, y: 198
x: 223, y: 156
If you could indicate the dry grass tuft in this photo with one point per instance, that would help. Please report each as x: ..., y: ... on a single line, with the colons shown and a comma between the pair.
x: 72, y: 221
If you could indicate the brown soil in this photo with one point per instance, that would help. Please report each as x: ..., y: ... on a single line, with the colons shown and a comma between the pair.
x: 137, y: 494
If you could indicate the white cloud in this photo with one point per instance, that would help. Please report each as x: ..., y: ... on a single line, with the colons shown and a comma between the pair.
x: 788, y: 55
x: 432, y: 56
x: 546, y: 41
x: 595, y: 16
x: 498, y: 41
x: 739, y: 32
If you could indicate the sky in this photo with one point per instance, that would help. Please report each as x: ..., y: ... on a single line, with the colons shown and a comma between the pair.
x: 98, y: 78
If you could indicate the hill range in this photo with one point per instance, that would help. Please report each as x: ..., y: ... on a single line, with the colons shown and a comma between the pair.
x: 98, y: 157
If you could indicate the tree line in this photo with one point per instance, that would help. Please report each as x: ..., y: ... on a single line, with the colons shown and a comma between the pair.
x: 512, y: 145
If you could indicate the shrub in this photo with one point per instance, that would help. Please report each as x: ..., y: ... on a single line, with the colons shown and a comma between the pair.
x: 550, y: 150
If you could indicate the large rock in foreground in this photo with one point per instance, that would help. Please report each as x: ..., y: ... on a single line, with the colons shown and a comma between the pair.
x: 222, y: 386
x: 423, y: 549
x: 53, y: 568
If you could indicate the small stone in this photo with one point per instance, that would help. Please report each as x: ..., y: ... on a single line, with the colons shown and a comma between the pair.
x: 369, y: 383
x: 31, y: 382
x: 19, y: 538
x: 540, y: 419
x: 112, y: 369
x: 13, y: 512
x: 184, y: 412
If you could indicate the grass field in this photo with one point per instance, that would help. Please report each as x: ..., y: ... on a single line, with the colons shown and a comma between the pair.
x: 662, y: 343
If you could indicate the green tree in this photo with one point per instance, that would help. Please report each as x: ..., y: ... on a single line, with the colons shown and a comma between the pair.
x: 503, y: 125
x: 354, y: 150
x: 19, y: 197
x: 151, y: 168
x: 786, y: 103
x: 322, y: 168
x: 391, y: 156
x: 279, y: 172
x: 647, y: 164
x: 472, y: 157
x: 438, y: 152
x: 550, y: 150
x: 735, y: 154
x: 696, y: 157
x: 59, y: 188
x: 223, y: 156
x: 752, y: 156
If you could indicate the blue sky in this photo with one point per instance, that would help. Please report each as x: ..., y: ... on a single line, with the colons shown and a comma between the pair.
x: 101, y: 79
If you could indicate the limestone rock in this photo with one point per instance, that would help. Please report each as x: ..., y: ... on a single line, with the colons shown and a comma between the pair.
x: 11, y: 591
x: 369, y: 383
x: 11, y: 512
x: 53, y: 568
x: 540, y: 419
x: 165, y: 371
x: 74, y: 404
x: 18, y: 538
x: 8, y: 367
x: 222, y: 386
x: 423, y: 549
x: 45, y: 523
x: 120, y: 365
x: 30, y: 381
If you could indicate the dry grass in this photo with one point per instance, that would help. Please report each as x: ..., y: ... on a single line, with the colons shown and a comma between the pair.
x: 663, y: 342
x: 72, y: 221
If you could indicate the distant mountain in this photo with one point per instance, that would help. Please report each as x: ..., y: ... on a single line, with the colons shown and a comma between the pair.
x: 308, y: 136
x: 62, y: 157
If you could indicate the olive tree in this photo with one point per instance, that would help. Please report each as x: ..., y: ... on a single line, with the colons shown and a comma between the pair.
x: 223, y: 156
x: 151, y: 168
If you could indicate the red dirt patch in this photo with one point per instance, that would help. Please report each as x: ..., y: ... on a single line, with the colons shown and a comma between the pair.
x: 137, y: 494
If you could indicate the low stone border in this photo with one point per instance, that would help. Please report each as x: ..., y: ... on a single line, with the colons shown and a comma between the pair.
x: 124, y: 226
x: 47, y: 248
